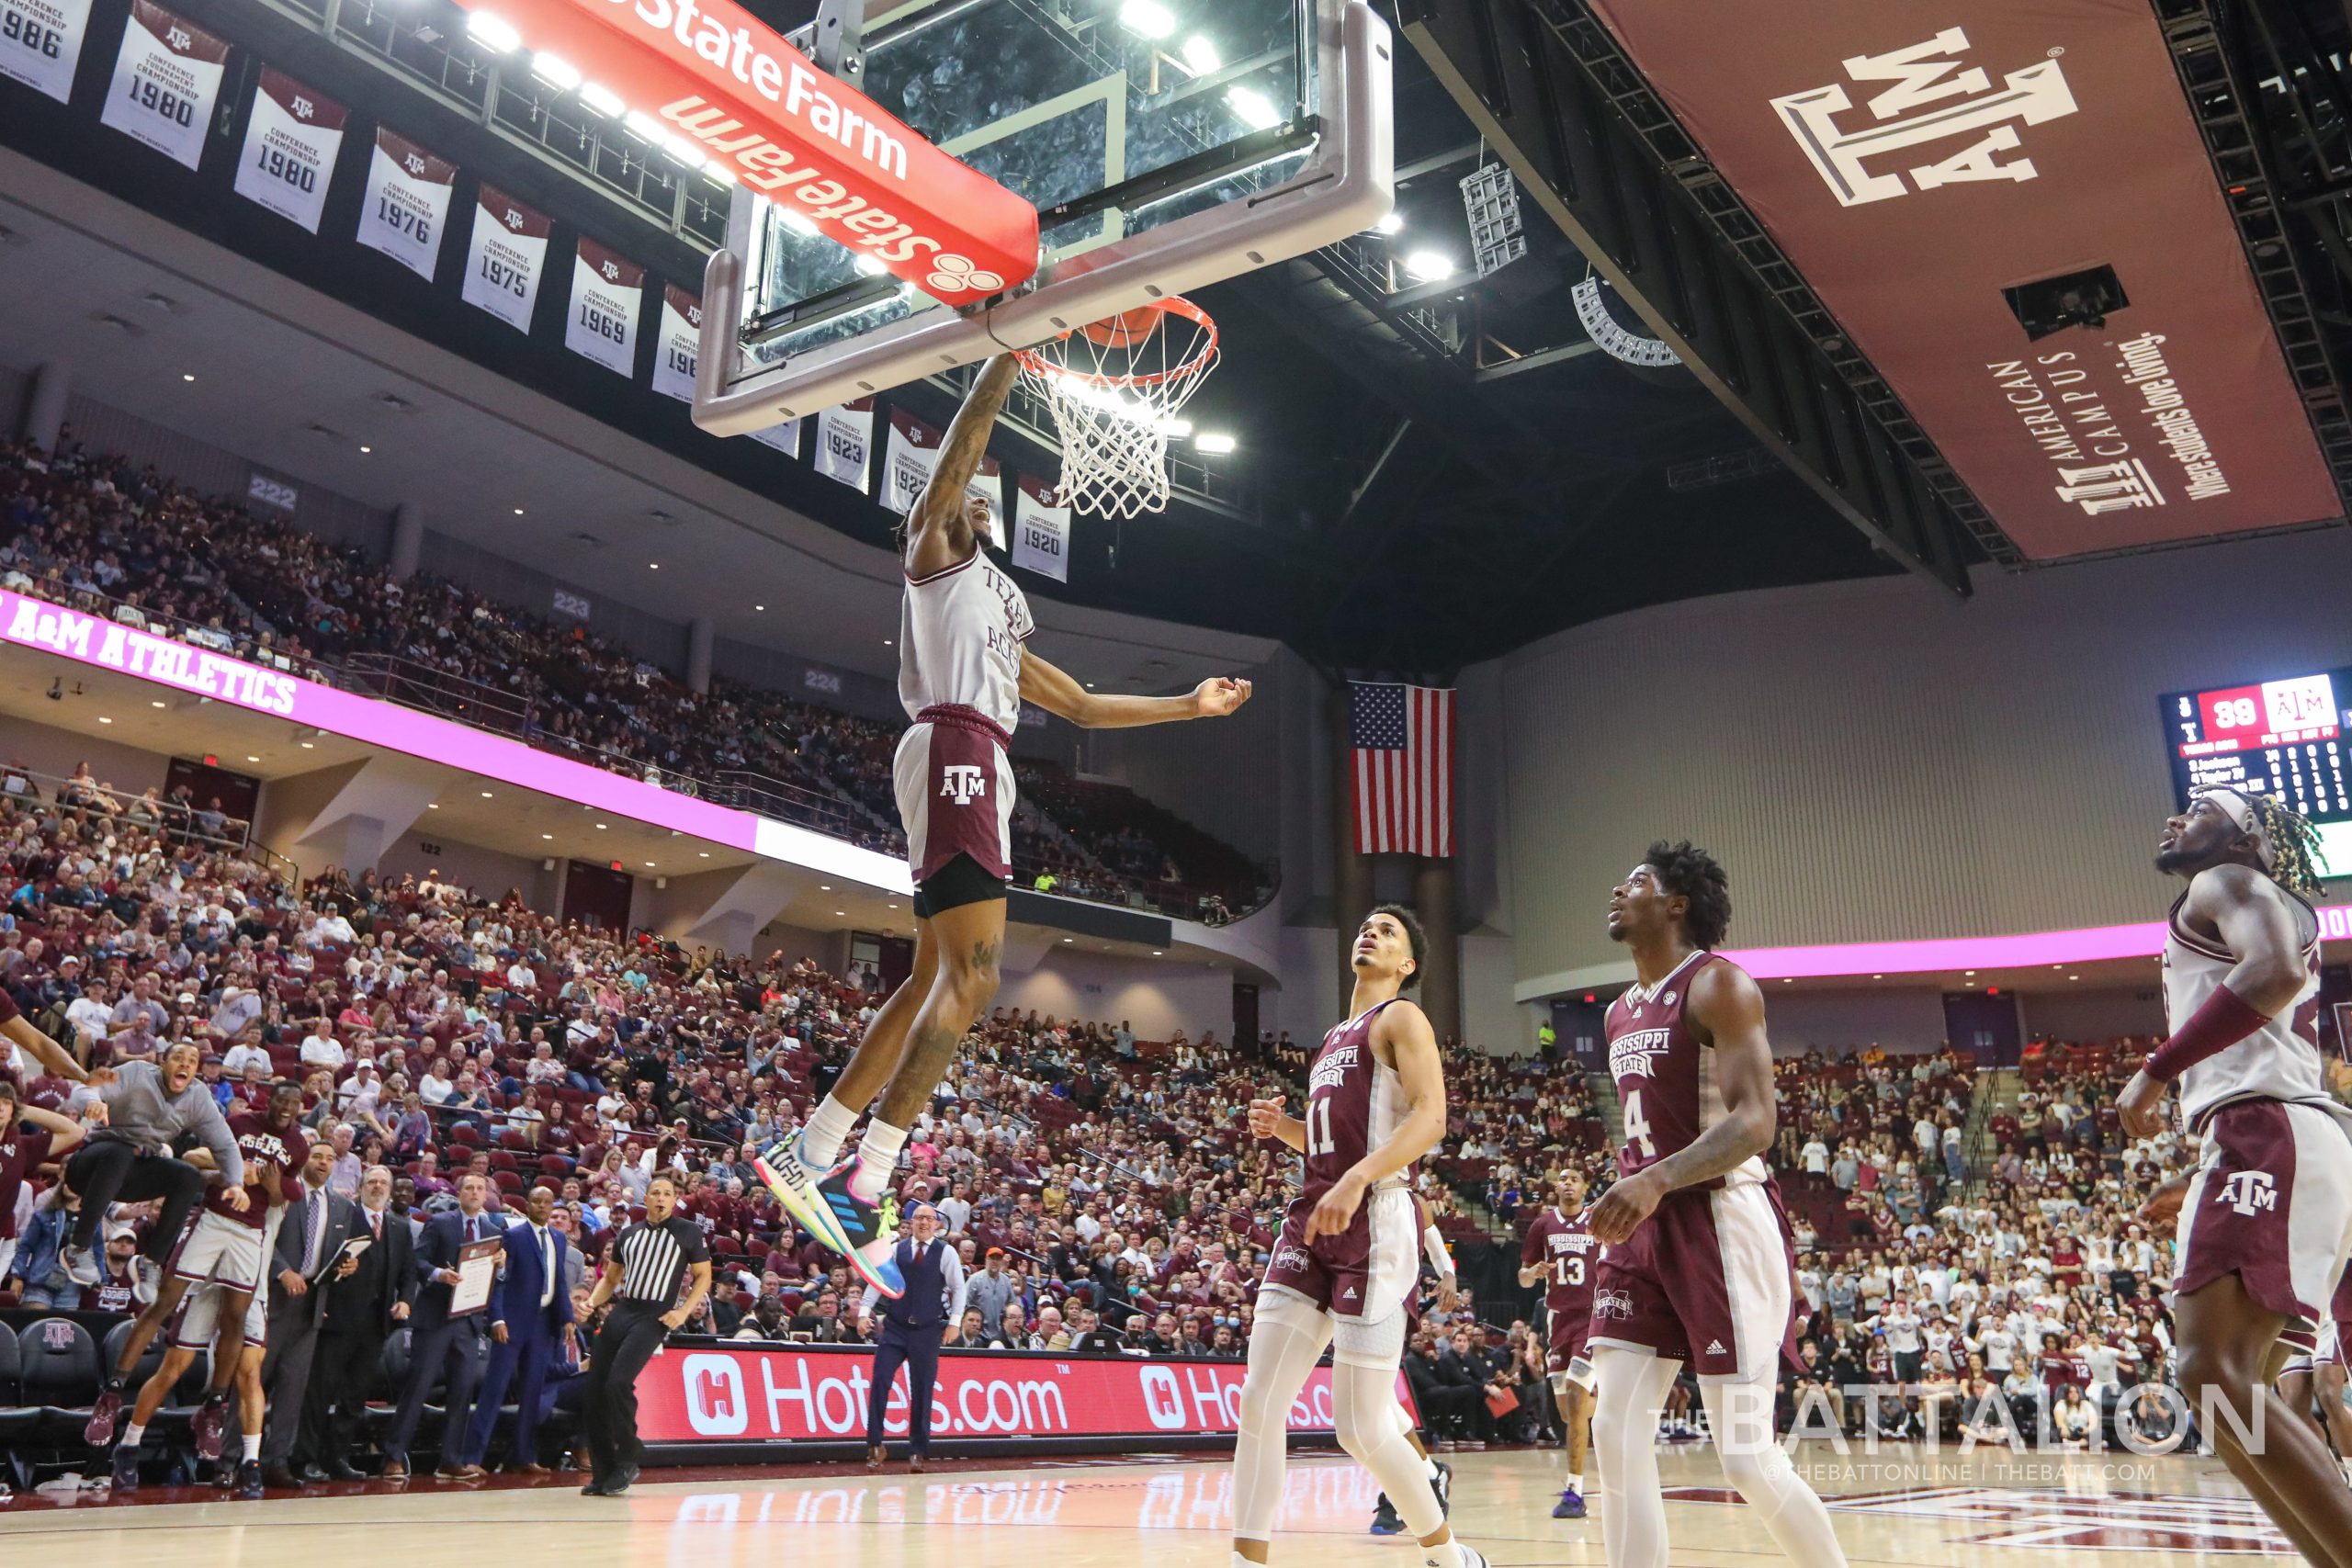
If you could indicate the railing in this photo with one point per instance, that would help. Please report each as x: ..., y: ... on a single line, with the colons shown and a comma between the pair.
x: 412, y: 684
x: 168, y: 817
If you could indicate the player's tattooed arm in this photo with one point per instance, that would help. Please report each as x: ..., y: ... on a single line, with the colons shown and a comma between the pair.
x: 1726, y: 1003
x: 932, y: 528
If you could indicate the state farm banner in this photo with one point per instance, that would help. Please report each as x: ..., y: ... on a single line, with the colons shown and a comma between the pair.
x: 1041, y: 528
x: 608, y: 291
x: 844, y: 434
x: 679, y: 344
x: 40, y: 43
x: 166, y: 81
x: 407, y: 203
x: 505, y: 258
x: 911, y: 454
x: 731, y: 1392
x: 785, y: 438
x: 1916, y: 164
x: 291, y: 140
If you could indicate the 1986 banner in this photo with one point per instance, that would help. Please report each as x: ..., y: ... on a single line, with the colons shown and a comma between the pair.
x: 41, y: 42
x: 817, y: 1393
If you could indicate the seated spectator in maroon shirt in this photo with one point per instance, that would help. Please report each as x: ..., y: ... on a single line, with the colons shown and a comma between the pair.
x: 430, y: 1182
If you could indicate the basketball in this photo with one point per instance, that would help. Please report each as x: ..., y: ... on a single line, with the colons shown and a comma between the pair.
x: 1128, y: 330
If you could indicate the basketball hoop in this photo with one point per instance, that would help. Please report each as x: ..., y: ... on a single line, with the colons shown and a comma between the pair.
x: 1115, y: 389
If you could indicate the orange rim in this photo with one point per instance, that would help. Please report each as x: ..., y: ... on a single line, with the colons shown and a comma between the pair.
x: 1174, y: 305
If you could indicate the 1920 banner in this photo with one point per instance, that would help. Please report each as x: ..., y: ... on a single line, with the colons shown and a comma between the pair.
x: 732, y: 1393
x: 291, y: 146
x: 1943, y: 181
x: 1041, y: 528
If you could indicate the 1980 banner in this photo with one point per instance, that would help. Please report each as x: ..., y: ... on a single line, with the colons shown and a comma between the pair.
x: 795, y: 1392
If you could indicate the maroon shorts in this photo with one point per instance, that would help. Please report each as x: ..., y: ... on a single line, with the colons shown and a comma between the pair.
x: 1366, y: 1272
x: 1704, y: 1279
x: 1569, y: 1333
x: 954, y: 787
x: 2272, y: 1203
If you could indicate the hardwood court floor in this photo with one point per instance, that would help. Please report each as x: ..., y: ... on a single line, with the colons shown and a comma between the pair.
x: 1898, y: 1507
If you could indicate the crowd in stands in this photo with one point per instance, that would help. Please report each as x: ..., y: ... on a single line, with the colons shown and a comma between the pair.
x: 120, y: 541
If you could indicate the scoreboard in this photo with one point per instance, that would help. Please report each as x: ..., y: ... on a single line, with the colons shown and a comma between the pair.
x: 2288, y: 738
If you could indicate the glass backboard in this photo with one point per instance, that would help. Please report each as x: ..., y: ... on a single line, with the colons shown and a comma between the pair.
x: 1165, y: 144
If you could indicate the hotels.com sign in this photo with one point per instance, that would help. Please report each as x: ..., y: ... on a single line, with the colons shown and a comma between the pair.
x: 719, y: 77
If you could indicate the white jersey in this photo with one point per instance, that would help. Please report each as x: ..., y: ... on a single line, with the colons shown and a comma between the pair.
x: 2278, y: 1061
x: 960, y: 636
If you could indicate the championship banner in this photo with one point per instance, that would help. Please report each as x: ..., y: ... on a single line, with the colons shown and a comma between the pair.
x: 166, y: 81
x: 844, y: 435
x: 1041, y: 528
x: 2016, y: 220
x: 606, y: 293
x: 406, y: 204
x: 292, y: 140
x: 913, y: 453
x: 729, y: 1392
x: 679, y: 346
x: 40, y: 43
x: 506, y: 257
x: 785, y: 438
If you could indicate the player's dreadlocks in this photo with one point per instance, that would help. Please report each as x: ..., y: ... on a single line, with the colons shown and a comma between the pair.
x: 2297, y: 859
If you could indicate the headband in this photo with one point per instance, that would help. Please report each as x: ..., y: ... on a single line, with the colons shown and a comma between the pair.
x: 2238, y: 807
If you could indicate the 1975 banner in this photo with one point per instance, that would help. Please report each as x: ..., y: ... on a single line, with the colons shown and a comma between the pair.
x: 731, y: 1392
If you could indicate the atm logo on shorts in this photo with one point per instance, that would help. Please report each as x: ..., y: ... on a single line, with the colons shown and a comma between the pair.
x: 963, y: 781
x: 715, y: 1404
x: 2250, y: 1192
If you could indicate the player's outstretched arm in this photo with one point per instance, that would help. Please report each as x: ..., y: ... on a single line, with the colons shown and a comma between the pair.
x: 936, y: 537
x: 1054, y: 691
x: 27, y: 1036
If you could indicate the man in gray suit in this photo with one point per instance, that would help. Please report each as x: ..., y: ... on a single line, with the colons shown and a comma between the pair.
x: 310, y: 1254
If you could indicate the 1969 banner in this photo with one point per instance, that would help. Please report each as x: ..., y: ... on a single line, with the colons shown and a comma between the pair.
x: 729, y: 1392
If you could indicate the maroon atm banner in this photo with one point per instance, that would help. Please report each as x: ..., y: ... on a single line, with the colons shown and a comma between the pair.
x: 1917, y: 161
x: 739, y: 1393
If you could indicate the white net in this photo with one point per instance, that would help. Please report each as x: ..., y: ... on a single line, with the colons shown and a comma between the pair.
x: 1116, y: 389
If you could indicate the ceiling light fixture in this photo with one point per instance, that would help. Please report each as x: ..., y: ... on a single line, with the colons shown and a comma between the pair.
x: 104, y: 719
x: 187, y: 376
x: 1257, y: 111
x: 1216, y: 441
x: 1391, y: 223
x: 492, y: 31
x: 1147, y: 19
x: 1428, y: 267
x: 601, y: 99
x: 1201, y: 55
x: 555, y: 71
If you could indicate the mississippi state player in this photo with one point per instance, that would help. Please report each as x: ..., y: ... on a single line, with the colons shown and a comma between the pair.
x: 1698, y: 1269
x: 1561, y: 1253
x: 962, y: 674
x: 2267, y: 1219
x: 1348, y: 1259
x: 223, y: 1249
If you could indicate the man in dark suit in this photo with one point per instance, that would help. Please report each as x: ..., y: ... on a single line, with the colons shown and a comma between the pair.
x: 530, y: 1315
x: 911, y: 1332
x: 308, y: 1253
x: 450, y: 1351
x: 361, y: 1310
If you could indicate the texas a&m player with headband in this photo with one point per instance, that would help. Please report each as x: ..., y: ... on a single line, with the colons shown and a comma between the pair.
x: 964, y: 672
x: 2265, y: 1219
x: 1699, y: 1267
x: 1348, y: 1259
x: 1561, y: 1253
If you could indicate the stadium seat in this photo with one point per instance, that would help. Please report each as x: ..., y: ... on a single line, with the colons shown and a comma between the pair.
x: 58, y: 1364
x: 15, y: 1419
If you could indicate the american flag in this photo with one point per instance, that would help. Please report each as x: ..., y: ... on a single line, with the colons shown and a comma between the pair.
x: 1402, y: 738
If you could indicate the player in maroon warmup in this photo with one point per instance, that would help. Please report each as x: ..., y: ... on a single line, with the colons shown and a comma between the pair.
x: 1561, y: 1253
x: 1348, y: 1256
x: 1698, y: 1269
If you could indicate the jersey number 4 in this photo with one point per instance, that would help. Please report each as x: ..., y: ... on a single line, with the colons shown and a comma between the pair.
x: 1637, y: 1132
x: 1320, y: 1140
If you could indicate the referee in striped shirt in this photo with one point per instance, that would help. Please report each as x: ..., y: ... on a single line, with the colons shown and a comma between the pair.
x: 642, y: 1276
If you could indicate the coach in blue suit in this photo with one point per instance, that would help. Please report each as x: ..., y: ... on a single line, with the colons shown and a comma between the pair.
x: 530, y: 1318
x: 452, y: 1348
x: 911, y: 1332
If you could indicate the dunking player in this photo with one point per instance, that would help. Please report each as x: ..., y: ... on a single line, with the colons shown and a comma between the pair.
x: 2267, y: 1220
x: 222, y: 1253
x: 1561, y: 1251
x: 1348, y: 1257
x: 1699, y: 1267
x: 962, y: 676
